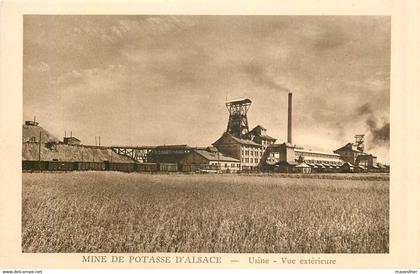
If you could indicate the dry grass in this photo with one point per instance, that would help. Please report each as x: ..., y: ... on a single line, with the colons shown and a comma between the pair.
x: 118, y: 212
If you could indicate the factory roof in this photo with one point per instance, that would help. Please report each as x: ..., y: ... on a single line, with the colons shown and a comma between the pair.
x: 211, y: 156
x: 316, y: 152
x: 237, y: 140
x: 348, y: 146
x: 267, y: 137
x: 245, y: 141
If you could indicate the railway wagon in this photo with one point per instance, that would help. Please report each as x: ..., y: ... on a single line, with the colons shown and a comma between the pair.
x: 146, y: 167
x: 89, y: 166
x: 60, y: 166
x: 125, y: 167
x: 168, y: 167
x: 34, y: 165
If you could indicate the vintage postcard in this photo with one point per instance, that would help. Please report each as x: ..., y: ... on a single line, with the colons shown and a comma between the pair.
x: 140, y: 135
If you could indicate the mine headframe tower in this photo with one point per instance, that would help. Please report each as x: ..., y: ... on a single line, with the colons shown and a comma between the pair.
x: 238, y: 120
x: 360, y: 142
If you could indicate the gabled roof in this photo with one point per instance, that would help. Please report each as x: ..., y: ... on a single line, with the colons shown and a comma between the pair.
x: 316, y: 152
x: 348, y: 147
x: 245, y: 141
x: 262, y: 136
x: 215, y: 156
x: 267, y: 137
x: 238, y: 140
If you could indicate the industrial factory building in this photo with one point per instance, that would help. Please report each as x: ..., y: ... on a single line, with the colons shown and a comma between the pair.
x: 246, y: 151
x: 209, y: 159
x: 256, y: 150
x: 238, y: 141
x: 287, y: 157
x: 238, y: 149
x: 356, y: 157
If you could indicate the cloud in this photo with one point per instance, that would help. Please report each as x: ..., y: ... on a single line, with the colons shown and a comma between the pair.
x: 125, y: 68
x: 378, y: 134
x: 259, y: 75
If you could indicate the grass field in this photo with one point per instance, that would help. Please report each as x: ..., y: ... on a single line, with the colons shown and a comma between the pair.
x: 119, y: 212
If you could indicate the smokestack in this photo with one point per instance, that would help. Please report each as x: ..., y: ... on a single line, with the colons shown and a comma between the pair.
x: 289, y: 119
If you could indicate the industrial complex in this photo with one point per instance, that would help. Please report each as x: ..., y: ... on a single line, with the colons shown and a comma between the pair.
x: 239, y: 149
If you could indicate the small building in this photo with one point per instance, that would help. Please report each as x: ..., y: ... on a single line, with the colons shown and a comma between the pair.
x: 366, y: 160
x: 259, y: 135
x: 71, y: 141
x: 246, y: 151
x: 302, y: 168
x: 349, y: 153
x: 208, y: 159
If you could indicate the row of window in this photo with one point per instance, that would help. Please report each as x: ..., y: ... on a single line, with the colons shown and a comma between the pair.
x: 226, y: 165
x: 250, y: 160
x: 321, y: 162
x: 247, y: 153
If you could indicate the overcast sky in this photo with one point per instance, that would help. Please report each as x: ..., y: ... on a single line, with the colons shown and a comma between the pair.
x: 149, y: 80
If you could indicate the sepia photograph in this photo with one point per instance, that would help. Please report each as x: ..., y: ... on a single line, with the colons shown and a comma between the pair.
x: 206, y: 134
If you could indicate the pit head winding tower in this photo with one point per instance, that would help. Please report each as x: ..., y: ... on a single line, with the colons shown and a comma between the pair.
x: 238, y: 120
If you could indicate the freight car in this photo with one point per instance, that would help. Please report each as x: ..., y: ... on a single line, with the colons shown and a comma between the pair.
x: 100, y: 166
x: 60, y: 166
x: 125, y: 167
x: 89, y: 166
x: 168, y: 167
x: 34, y: 165
x: 146, y: 167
